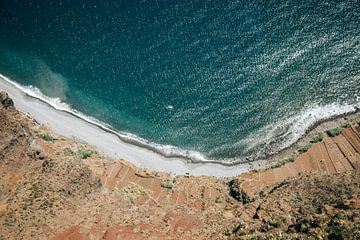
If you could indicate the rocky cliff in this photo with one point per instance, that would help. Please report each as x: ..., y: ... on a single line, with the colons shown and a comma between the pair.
x: 57, y: 188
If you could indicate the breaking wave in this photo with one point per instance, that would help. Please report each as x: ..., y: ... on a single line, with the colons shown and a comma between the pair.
x: 58, y: 104
x: 268, y: 140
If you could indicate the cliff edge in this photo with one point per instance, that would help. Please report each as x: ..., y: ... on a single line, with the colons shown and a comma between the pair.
x: 53, y: 187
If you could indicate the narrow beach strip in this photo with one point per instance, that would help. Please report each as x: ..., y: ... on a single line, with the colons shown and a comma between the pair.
x: 65, y: 124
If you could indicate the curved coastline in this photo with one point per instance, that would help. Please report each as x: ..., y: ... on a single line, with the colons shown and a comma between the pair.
x: 68, y: 124
x: 168, y: 151
x: 190, y: 160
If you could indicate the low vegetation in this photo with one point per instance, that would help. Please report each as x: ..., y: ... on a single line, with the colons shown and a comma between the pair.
x: 334, y: 132
x: 168, y: 184
x: 305, y: 148
x: 284, y: 161
x: 47, y: 137
x: 132, y: 200
x: 85, y: 152
x: 317, y: 138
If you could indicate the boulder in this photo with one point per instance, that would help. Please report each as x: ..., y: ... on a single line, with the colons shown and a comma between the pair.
x: 5, y: 100
x: 37, y: 152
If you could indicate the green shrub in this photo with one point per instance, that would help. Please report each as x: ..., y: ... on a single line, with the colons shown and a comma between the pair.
x: 47, y: 137
x: 227, y: 231
x: 275, y: 224
x: 305, y: 148
x: 168, y: 184
x: 317, y: 138
x: 340, y: 232
x: 340, y: 216
x: 85, y: 153
x: 34, y: 130
x: 68, y: 152
x: 254, y: 237
x: 291, y: 158
x: 334, y: 132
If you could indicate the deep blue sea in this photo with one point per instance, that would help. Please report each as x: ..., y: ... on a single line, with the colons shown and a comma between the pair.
x: 203, y: 79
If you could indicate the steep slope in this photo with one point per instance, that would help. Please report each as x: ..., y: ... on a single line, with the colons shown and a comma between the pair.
x: 56, y: 188
x: 310, y: 206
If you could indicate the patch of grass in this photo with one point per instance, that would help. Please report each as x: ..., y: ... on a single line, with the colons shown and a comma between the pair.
x: 218, y: 200
x: 291, y: 158
x: 316, y: 223
x: 284, y: 161
x: 334, y: 132
x: 275, y: 224
x: 47, y: 137
x: 168, y: 184
x: 99, y: 155
x: 227, y: 232
x: 317, y: 138
x: 255, y: 237
x: 339, y: 216
x: 68, y: 152
x: 85, y: 153
x: 340, y: 232
x: 305, y: 148
x: 132, y: 200
x: 34, y: 130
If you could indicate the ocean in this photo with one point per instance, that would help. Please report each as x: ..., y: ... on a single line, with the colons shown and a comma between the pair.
x: 226, y: 81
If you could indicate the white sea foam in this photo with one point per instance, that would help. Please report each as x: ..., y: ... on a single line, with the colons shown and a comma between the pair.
x: 280, y: 135
x: 268, y: 140
x: 57, y: 103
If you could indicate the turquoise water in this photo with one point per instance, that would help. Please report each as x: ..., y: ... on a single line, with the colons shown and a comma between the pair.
x: 220, y: 80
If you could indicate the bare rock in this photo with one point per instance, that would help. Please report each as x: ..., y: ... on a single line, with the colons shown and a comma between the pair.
x: 237, y: 192
x: 37, y: 152
x: 5, y: 100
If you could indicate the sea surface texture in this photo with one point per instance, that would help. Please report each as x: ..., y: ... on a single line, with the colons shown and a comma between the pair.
x: 227, y: 81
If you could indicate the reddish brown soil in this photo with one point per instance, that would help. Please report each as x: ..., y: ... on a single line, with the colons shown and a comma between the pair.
x: 332, y: 155
x: 47, y: 191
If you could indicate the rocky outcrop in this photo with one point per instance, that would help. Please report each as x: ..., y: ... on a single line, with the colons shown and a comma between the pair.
x: 311, y: 206
x: 5, y: 100
x: 36, y: 184
x: 49, y: 189
x: 237, y: 192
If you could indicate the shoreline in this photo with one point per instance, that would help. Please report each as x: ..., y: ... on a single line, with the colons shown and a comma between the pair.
x: 319, y: 127
x: 110, y: 144
x: 139, y: 153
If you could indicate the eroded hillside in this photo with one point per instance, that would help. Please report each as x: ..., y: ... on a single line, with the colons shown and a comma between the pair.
x: 57, y: 188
